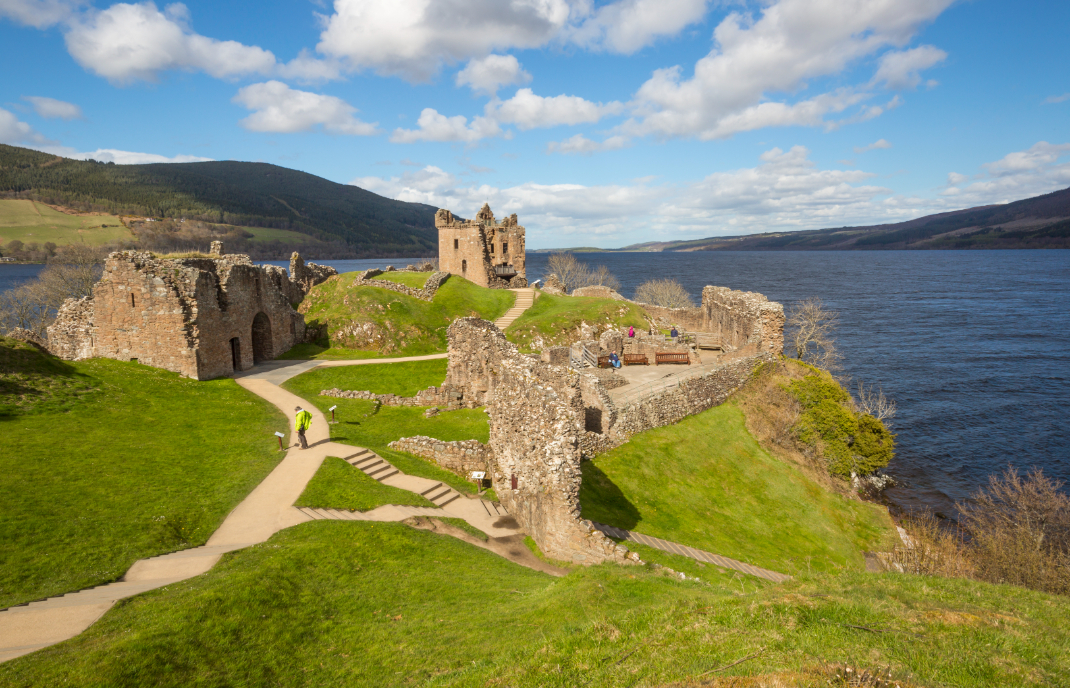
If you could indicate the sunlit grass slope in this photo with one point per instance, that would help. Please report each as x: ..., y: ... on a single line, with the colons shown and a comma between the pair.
x: 707, y: 483
x: 556, y: 320
x: 365, y: 321
x: 372, y: 604
x: 106, y: 462
x: 28, y: 222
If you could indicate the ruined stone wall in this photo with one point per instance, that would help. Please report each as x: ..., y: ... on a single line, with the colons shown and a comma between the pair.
x: 535, y: 414
x: 687, y: 319
x: 432, y: 396
x: 691, y: 396
x: 308, y: 275
x: 746, y: 320
x: 471, y: 248
x: 461, y: 457
x: 598, y: 292
x: 181, y: 315
x: 650, y: 345
x: 425, y: 293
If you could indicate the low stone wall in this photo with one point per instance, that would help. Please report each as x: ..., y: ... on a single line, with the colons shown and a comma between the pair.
x: 426, y: 293
x: 432, y: 396
x: 691, y: 396
x: 461, y: 457
x: 688, y: 319
x: 70, y: 336
x: 650, y: 345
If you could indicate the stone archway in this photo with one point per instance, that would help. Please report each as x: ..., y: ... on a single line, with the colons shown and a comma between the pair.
x: 262, y: 350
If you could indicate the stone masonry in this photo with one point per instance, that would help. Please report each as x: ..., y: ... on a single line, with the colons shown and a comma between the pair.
x: 535, y: 411
x: 746, y: 321
x: 432, y: 396
x: 200, y: 317
x: 461, y: 457
x: 425, y: 293
x: 483, y: 250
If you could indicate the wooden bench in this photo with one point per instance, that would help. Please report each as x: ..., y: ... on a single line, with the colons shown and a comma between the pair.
x: 636, y: 359
x: 660, y: 358
x: 708, y: 341
x: 603, y: 362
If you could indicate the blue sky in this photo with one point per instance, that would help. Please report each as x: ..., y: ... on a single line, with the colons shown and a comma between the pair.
x: 599, y: 123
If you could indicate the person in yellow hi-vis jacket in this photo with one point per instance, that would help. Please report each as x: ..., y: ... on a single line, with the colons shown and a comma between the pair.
x: 304, y: 419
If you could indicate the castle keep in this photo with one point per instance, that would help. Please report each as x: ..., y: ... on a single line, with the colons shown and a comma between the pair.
x: 201, y: 317
x: 483, y: 250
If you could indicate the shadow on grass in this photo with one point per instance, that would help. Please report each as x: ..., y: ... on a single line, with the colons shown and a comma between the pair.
x: 601, y: 500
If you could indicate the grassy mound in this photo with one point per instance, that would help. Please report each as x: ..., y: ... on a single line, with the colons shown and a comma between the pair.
x: 560, y: 320
x: 31, y: 380
x: 707, y: 483
x: 337, y: 485
x: 366, y: 424
x: 147, y: 463
x: 415, y: 280
x: 379, y: 322
x: 373, y: 604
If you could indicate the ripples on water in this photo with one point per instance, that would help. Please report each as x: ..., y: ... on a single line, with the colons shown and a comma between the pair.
x: 973, y: 345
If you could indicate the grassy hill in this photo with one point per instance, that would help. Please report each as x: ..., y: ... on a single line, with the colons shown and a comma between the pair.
x: 107, y: 462
x: 235, y: 193
x: 368, y: 322
x: 28, y: 222
x: 555, y: 320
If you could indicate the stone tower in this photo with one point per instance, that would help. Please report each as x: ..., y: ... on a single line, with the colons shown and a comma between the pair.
x: 483, y: 250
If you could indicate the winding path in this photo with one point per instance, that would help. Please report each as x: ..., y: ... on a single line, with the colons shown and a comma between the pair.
x: 269, y: 509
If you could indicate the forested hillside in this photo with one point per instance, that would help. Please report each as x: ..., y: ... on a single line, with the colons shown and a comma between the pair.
x: 233, y: 193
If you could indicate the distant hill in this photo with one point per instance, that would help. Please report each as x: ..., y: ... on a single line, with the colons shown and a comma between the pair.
x: 1040, y: 222
x: 235, y: 193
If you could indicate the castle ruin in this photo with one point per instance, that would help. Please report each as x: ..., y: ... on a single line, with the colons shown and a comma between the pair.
x: 201, y: 317
x: 484, y: 251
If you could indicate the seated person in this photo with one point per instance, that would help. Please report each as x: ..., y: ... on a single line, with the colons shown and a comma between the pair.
x: 631, y: 331
x: 613, y: 360
x: 673, y: 332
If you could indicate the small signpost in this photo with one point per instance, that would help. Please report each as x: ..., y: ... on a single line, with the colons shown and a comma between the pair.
x: 280, y: 436
x: 478, y: 477
x: 331, y: 409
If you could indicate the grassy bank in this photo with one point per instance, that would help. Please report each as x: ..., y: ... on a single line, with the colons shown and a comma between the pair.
x: 559, y: 320
x: 343, y: 604
x: 29, y: 221
x: 707, y: 483
x: 106, y: 462
x: 381, y: 322
x: 337, y: 485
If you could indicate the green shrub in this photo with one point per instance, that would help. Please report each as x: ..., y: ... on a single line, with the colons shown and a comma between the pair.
x: 850, y: 442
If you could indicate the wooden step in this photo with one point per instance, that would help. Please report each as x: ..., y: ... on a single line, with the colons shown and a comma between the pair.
x: 383, y: 476
x: 431, y: 489
x: 379, y: 470
x: 442, y: 504
x: 369, y: 464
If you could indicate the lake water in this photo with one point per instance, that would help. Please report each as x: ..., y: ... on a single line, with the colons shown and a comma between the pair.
x: 973, y: 345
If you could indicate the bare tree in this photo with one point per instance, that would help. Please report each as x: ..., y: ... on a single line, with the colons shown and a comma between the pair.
x: 602, y: 277
x: 667, y: 293
x: 814, y: 325
x: 875, y: 402
x: 571, y: 273
x: 70, y: 274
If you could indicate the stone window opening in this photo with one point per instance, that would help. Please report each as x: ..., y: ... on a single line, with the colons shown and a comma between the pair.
x: 456, y: 244
x: 505, y: 247
x: 132, y: 304
x: 592, y: 419
x: 464, y: 266
x: 261, y: 338
x: 492, y: 248
x: 235, y: 354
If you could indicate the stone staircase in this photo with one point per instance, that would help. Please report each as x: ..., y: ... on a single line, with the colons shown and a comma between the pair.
x: 441, y: 494
x: 375, y: 466
x: 390, y: 512
x: 524, y: 299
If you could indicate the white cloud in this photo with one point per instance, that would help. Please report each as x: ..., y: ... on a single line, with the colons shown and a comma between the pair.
x: 490, y: 73
x: 126, y: 42
x: 121, y: 157
x: 628, y: 25
x: 1057, y: 99
x: 15, y: 132
x: 414, y: 38
x: 530, y: 111
x: 50, y: 108
x: 900, y: 69
x: 437, y: 127
x: 306, y: 67
x: 791, y: 42
x: 39, y: 14
x: 584, y: 146
x: 281, y: 109
x: 878, y: 144
x: 1042, y: 168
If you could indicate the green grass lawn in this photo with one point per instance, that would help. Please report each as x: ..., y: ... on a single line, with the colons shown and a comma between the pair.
x: 28, y: 221
x: 415, y: 280
x: 555, y: 320
x: 337, y: 485
x: 107, y: 462
x: 399, y: 325
x: 705, y: 482
x: 286, y: 236
x: 361, y: 425
x: 333, y: 603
